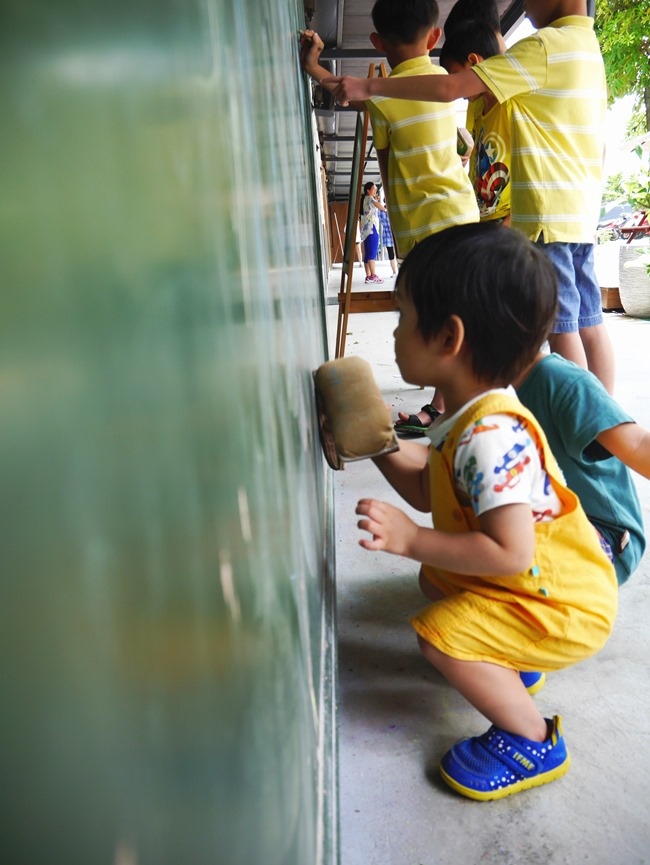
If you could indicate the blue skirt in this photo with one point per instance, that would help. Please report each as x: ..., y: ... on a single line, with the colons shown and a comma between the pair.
x: 371, y: 246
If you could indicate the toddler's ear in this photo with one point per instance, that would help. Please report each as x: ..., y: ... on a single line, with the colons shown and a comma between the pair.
x: 452, y: 335
x: 377, y: 42
x: 434, y: 38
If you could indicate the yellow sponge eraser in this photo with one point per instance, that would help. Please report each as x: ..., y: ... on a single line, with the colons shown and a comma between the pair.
x: 353, y: 410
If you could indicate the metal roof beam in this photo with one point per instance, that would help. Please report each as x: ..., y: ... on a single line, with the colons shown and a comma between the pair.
x: 327, y: 158
x: 360, y: 54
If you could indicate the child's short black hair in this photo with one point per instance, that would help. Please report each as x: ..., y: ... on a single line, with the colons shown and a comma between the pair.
x: 470, y: 37
x: 402, y: 22
x: 486, y: 11
x: 500, y: 284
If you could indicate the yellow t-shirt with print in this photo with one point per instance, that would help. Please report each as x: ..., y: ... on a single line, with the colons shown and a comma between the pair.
x: 428, y: 189
x: 489, y: 161
x: 555, y: 83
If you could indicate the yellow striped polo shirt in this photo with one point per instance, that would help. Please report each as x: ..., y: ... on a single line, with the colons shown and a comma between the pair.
x: 555, y: 82
x: 428, y: 189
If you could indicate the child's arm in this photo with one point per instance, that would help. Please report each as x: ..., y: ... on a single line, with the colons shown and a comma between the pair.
x: 630, y: 443
x: 382, y: 161
x: 407, y: 471
x: 426, y: 88
x: 504, y: 546
x: 311, y: 46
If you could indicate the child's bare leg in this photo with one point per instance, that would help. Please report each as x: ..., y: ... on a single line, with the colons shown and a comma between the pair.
x: 600, y: 354
x: 570, y: 346
x: 497, y: 692
x: 591, y: 349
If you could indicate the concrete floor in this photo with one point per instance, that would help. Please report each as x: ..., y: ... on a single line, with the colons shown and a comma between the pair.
x: 397, y: 716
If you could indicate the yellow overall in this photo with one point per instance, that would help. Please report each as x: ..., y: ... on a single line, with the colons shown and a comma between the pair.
x: 559, y: 611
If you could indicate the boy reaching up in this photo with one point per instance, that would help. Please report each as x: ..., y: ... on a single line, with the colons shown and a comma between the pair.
x: 555, y: 82
x: 424, y: 182
x: 426, y: 186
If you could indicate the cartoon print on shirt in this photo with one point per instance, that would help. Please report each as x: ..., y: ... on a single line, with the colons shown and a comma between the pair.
x: 502, y: 467
x: 512, y: 467
x: 518, y: 425
x: 473, y: 480
x: 477, y: 428
x: 492, y: 175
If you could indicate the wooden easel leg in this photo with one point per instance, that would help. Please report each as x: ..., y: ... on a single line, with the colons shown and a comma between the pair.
x: 356, y: 182
x: 341, y: 327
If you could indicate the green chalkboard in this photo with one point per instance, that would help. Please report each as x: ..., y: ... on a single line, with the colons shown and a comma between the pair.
x: 164, y: 576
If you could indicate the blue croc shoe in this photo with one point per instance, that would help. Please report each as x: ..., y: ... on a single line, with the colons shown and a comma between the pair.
x: 498, y: 764
x: 533, y: 682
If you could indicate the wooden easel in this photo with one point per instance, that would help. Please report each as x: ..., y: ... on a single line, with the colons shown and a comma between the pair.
x: 339, y: 239
x: 357, y: 301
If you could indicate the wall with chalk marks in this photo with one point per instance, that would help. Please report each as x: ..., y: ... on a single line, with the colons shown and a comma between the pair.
x: 164, y: 577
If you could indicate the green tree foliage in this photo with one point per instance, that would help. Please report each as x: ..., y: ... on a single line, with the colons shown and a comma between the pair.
x: 636, y: 124
x: 623, y: 29
x: 637, y: 189
x: 614, y: 188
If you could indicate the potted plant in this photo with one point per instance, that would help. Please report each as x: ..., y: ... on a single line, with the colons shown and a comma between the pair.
x: 634, y: 260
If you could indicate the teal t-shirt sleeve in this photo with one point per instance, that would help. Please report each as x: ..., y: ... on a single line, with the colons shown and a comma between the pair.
x: 577, y: 402
x: 592, y: 411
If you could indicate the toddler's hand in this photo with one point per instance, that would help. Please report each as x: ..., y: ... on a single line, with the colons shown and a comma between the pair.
x: 392, y: 531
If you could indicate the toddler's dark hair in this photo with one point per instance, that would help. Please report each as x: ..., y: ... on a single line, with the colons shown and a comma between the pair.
x: 470, y: 37
x: 486, y: 11
x: 502, y: 287
x: 402, y: 22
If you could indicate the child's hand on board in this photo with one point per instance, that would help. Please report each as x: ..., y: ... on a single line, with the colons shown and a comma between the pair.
x: 311, y: 47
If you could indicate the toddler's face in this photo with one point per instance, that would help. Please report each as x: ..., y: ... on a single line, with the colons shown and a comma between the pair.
x: 411, y: 349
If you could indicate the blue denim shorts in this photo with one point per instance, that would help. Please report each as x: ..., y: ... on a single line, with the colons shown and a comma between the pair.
x: 579, y: 295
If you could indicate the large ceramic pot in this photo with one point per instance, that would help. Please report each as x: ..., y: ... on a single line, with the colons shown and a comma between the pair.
x: 633, y: 279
